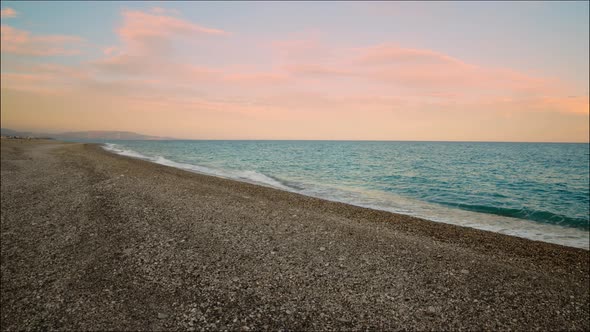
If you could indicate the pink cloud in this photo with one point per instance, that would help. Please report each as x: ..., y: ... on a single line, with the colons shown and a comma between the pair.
x: 26, y: 78
x: 45, y: 78
x: 146, y: 39
x: 126, y: 64
x: 42, y: 83
x: 388, y: 54
x: 8, y: 13
x: 413, y: 70
x: 111, y: 50
x: 145, y: 32
x: 571, y: 104
x: 256, y: 78
x: 320, y: 70
x: 295, y: 46
x: 156, y: 68
x: 427, y: 69
x: 21, y: 42
x: 309, y: 49
x: 455, y: 78
x: 139, y: 24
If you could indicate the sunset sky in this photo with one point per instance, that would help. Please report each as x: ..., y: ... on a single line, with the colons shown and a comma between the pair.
x: 468, y: 71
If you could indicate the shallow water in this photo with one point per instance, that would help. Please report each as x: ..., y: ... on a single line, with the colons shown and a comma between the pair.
x: 533, y: 190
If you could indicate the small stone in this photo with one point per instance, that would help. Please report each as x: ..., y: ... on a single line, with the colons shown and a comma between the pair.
x: 162, y: 315
x: 465, y: 271
x: 322, y: 248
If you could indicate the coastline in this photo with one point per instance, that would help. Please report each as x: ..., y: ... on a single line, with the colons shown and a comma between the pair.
x: 383, y: 201
x: 195, y: 250
x: 375, y: 211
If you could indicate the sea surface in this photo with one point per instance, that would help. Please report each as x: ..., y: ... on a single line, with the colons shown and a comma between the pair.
x: 538, y: 191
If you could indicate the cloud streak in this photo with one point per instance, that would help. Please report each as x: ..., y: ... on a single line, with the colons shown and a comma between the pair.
x: 150, y: 32
x: 8, y: 13
x: 16, y: 41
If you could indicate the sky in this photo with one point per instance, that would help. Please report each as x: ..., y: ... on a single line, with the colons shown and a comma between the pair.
x: 435, y: 71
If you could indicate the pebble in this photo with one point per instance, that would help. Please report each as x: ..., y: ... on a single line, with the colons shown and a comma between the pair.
x: 162, y: 315
x: 322, y: 248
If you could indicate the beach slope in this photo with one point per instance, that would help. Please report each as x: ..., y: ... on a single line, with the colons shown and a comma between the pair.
x: 95, y: 241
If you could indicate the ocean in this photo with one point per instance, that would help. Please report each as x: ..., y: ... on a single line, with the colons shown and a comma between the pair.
x: 538, y: 191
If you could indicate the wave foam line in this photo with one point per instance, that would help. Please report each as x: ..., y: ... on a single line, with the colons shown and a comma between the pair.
x: 484, y: 220
x: 246, y: 175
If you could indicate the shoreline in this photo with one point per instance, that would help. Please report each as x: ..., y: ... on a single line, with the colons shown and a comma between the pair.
x: 114, y: 242
x: 506, y: 225
x: 382, y: 213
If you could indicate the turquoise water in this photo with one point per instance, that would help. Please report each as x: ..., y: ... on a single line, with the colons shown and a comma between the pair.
x: 534, y: 190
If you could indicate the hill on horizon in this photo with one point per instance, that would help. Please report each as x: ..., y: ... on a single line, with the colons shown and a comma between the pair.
x: 91, y: 134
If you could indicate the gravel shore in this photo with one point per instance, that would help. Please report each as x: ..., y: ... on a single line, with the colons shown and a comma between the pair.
x: 95, y: 241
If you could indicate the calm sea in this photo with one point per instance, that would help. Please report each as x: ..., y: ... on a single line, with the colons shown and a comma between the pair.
x: 533, y: 190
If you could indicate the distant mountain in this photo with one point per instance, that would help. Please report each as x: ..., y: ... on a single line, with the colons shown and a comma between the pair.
x: 108, y: 135
x: 112, y: 135
x: 10, y: 132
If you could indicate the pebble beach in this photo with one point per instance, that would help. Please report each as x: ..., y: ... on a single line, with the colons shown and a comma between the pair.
x: 96, y: 241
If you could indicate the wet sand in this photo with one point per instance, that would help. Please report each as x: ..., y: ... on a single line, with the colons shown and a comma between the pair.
x: 95, y: 241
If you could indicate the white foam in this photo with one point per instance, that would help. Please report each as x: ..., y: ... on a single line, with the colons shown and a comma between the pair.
x: 261, y: 178
x: 129, y: 153
x: 567, y: 236
x: 246, y: 176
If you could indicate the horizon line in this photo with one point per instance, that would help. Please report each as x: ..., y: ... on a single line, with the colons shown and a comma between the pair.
x: 168, y: 138
x: 342, y: 140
